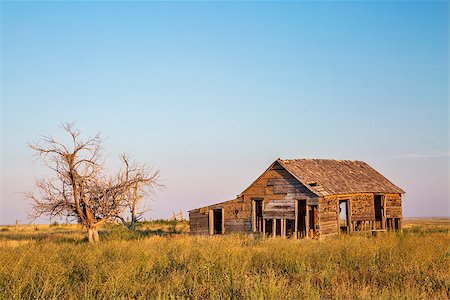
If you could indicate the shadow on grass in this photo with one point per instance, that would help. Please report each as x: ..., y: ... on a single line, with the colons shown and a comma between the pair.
x: 58, y: 237
x: 80, y: 236
x: 123, y: 234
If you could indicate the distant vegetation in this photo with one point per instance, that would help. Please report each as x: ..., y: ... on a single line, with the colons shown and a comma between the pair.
x: 160, y: 260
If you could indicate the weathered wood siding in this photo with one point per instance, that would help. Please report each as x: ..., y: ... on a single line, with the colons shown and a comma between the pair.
x: 280, y: 209
x: 393, y: 205
x: 362, y: 207
x: 198, y: 222
x: 328, y: 215
x: 235, y: 215
x: 277, y: 184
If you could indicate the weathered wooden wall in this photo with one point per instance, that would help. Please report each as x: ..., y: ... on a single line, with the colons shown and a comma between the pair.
x: 362, y: 207
x: 277, y: 184
x: 393, y: 204
x: 198, y: 222
x: 235, y: 214
x: 280, y: 209
x: 328, y: 215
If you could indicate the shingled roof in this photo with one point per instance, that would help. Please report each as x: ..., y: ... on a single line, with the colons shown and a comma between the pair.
x: 329, y: 176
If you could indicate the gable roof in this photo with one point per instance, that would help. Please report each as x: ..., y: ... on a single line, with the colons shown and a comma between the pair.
x: 329, y: 176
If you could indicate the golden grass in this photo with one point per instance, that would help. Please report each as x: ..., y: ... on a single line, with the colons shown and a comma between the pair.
x: 52, y: 263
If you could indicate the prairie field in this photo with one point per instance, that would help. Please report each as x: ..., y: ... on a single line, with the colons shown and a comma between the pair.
x: 162, y: 261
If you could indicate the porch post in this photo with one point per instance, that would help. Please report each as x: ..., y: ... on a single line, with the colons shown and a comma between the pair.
x: 264, y: 228
x: 211, y: 222
x: 254, y: 215
x: 307, y: 221
x: 296, y: 219
x: 223, y: 221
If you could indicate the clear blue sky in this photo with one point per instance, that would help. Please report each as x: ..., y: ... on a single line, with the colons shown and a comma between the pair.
x: 212, y: 93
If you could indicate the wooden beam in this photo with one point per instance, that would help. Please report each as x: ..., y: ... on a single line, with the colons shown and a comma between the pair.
x: 296, y: 219
x: 223, y: 221
x: 338, y: 217
x: 211, y: 222
x: 254, y: 215
x: 307, y: 221
x: 264, y: 228
x: 349, y: 213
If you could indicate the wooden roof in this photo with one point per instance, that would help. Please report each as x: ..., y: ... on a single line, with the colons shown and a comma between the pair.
x: 329, y: 176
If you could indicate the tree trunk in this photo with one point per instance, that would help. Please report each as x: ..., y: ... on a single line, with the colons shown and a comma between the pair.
x: 93, y: 235
x: 132, y: 226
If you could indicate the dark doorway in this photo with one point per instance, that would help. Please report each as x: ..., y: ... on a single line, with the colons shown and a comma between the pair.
x: 290, y: 227
x: 278, y: 224
x: 217, y: 221
x: 258, y: 215
x: 379, y: 213
x: 301, y: 218
x: 269, y: 227
x: 313, y: 221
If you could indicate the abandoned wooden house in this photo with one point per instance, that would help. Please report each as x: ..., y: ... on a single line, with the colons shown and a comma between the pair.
x: 307, y: 198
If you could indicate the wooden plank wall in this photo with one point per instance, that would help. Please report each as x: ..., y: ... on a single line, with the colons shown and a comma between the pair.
x: 328, y: 215
x: 280, y: 209
x: 361, y: 211
x: 198, y: 222
x: 362, y: 207
x: 236, y: 216
x: 393, y: 204
x: 277, y: 184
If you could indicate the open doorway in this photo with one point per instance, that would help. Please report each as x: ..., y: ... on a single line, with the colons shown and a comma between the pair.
x: 343, y: 216
x: 290, y: 227
x: 216, y: 221
x: 379, y: 212
x: 313, y: 221
x: 258, y: 215
x: 301, y: 218
x: 278, y: 227
x: 269, y: 227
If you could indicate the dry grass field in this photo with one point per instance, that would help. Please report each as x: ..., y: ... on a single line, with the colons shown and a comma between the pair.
x: 161, y: 261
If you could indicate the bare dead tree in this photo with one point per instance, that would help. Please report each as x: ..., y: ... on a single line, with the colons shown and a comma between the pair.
x: 145, y: 181
x: 78, y: 188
